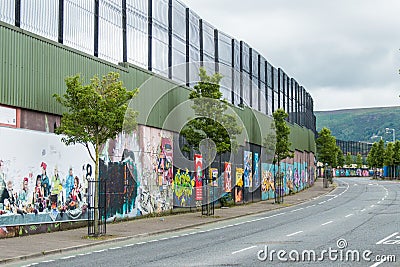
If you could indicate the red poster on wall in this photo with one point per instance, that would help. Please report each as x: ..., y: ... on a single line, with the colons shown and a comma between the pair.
x: 228, y: 177
x: 198, y: 166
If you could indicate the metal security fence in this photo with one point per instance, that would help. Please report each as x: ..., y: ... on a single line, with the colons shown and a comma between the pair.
x: 98, y: 213
x: 166, y: 37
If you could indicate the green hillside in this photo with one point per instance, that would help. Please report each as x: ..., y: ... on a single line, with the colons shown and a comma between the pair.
x: 360, y: 124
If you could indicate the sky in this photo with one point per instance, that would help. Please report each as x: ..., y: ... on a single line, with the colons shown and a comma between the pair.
x: 344, y: 52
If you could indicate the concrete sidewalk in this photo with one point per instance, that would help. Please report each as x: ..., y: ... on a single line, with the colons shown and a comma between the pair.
x: 20, y: 248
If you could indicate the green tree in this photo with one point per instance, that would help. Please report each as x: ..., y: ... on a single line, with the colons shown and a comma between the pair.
x: 359, y: 160
x: 389, y: 158
x: 349, y: 160
x: 326, y: 147
x: 380, y: 154
x: 376, y: 155
x: 95, y: 113
x: 396, y: 157
x: 212, y: 123
x: 278, y: 141
x: 282, y: 147
x: 371, y: 158
x: 340, y: 157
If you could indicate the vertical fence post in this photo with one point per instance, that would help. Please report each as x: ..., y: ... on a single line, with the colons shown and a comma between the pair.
x: 201, y: 42
x: 61, y: 21
x: 170, y: 39
x: 96, y: 28
x: 150, y: 34
x: 18, y: 13
x: 124, y: 33
x: 187, y: 44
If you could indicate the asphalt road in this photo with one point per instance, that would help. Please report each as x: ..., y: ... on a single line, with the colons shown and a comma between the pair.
x: 357, y: 224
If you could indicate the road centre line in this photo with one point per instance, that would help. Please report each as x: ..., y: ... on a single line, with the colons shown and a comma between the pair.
x: 234, y: 252
x: 297, y: 209
x: 327, y: 223
x: 348, y: 215
x: 68, y: 257
x: 295, y: 233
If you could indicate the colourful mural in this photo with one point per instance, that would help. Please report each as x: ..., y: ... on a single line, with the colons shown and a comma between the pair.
x: 239, y: 185
x: 248, y: 163
x: 198, y: 166
x: 48, y: 182
x: 227, y: 177
x: 267, y: 182
x: 183, y: 188
x: 44, y: 184
x: 256, y: 174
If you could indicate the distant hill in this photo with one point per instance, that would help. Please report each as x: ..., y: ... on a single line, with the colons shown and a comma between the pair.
x: 360, y: 124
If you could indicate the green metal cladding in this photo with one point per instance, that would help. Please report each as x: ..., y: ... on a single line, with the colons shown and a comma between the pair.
x: 33, y: 68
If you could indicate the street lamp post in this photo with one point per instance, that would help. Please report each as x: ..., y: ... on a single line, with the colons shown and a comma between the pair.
x: 376, y: 136
x: 394, y: 133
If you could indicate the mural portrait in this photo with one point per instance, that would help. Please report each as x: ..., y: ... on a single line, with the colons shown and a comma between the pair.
x: 248, y: 164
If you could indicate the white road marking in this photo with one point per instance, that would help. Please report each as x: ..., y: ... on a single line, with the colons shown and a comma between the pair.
x: 377, y: 263
x: 372, y: 206
x: 48, y: 261
x: 327, y: 223
x: 297, y: 209
x: 386, y: 238
x: 363, y: 210
x: 292, y: 234
x: 99, y: 251
x: 243, y: 249
x: 321, y: 202
x: 348, y: 215
x: 129, y: 245
x: 114, y: 248
x: 68, y: 257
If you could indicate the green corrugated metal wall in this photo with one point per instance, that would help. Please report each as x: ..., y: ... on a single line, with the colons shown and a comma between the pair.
x: 33, y: 68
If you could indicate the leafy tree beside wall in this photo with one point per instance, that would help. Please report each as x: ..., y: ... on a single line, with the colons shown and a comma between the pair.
x: 359, y: 160
x: 340, y: 157
x: 212, y: 127
x: 95, y: 113
x: 388, y: 158
x: 326, y: 147
x: 349, y: 160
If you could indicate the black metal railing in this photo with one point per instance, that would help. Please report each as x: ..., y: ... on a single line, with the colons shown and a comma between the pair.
x: 98, y: 213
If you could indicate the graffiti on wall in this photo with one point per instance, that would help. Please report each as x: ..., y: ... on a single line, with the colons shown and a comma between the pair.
x: 227, y: 177
x: 248, y: 163
x: 198, y: 162
x: 183, y: 188
x: 256, y: 174
x: 41, y: 179
x: 239, y: 185
x: 267, y: 182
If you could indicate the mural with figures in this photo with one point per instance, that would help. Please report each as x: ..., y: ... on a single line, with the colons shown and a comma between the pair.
x: 47, y: 183
x: 41, y: 179
x: 145, y: 160
x: 298, y: 173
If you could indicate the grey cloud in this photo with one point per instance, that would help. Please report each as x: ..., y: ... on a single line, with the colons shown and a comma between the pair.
x: 341, y: 45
